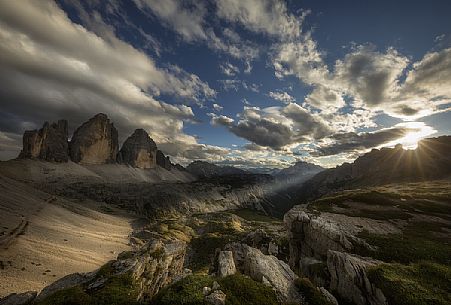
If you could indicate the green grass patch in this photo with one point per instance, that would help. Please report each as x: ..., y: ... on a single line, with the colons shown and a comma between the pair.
x: 243, y: 290
x: 238, y: 288
x: 432, y: 199
x: 311, y: 293
x: 204, y: 247
x: 417, y: 242
x: 187, y: 291
x: 254, y: 215
x: 118, y: 290
x: 423, y: 283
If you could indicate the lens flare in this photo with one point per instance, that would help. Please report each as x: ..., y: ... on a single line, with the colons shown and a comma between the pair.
x: 418, y: 131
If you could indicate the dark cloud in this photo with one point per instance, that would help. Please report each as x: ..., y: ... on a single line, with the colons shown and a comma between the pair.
x: 276, y: 127
x: 53, y: 68
x: 305, y: 123
x: 351, y: 141
x: 369, y: 75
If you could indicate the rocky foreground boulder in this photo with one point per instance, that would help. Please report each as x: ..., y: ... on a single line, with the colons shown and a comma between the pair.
x: 95, y: 142
x: 135, y: 276
x: 48, y: 143
x: 320, y: 249
x: 262, y: 268
x: 139, y: 150
x: 348, y: 276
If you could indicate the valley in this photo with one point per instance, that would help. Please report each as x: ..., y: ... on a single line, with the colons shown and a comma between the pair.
x: 151, y: 232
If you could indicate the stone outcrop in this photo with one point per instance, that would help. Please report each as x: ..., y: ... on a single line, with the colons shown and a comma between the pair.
x: 349, y: 279
x: 311, y: 236
x: 65, y: 282
x: 320, y: 250
x: 139, y: 150
x: 216, y: 298
x: 150, y: 268
x: 48, y: 143
x: 163, y: 161
x: 158, y: 265
x: 226, y: 265
x: 95, y: 142
x: 19, y: 298
x: 266, y: 269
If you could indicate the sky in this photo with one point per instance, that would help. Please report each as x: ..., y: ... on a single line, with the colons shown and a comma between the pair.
x: 254, y: 84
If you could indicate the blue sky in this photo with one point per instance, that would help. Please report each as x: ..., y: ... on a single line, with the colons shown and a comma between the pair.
x: 258, y: 83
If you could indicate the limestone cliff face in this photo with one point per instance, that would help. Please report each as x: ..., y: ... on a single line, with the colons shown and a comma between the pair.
x: 48, y: 143
x: 95, y: 142
x: 139, y: 150
x: 163, y: 161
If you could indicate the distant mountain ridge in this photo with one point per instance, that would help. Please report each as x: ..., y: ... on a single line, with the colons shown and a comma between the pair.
x: 298, y: 170
x: 430, y: 160
x: 203, y: 169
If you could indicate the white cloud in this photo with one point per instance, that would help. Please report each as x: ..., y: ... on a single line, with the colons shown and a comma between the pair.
x: 427, y: 85
x: 263, y: 16
x: 300, y: 58
x: 237, y: 84
x: 186, y: 18
x: 217, y: 107
x: 54, y: 68
x: 283, y: 97
x: 326, y: 99
x: 229, y: 69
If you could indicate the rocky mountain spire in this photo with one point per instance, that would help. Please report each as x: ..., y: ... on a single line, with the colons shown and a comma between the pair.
x: 48, y: 143
x: 139, y: 150
x: 95, y: 142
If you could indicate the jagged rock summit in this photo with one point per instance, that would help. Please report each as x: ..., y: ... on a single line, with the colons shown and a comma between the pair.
x: 95, y: 142
x: 139, y: 150
x: 48, y: 143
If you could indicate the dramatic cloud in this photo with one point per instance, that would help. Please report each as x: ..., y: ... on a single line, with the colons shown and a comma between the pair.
x: 427, y: 85
x: 275, y: 127
x: 283, y: 97
x: 302, y: 59
x: 52, y: 68
x: 184, y: 152
x: 347, y: 142
x: 264, y: 16
x: 370, y: 77
x: 188, y: 20
x: 325, y: 99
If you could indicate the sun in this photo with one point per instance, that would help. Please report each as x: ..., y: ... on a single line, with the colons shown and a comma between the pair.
x: 418, y: 131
